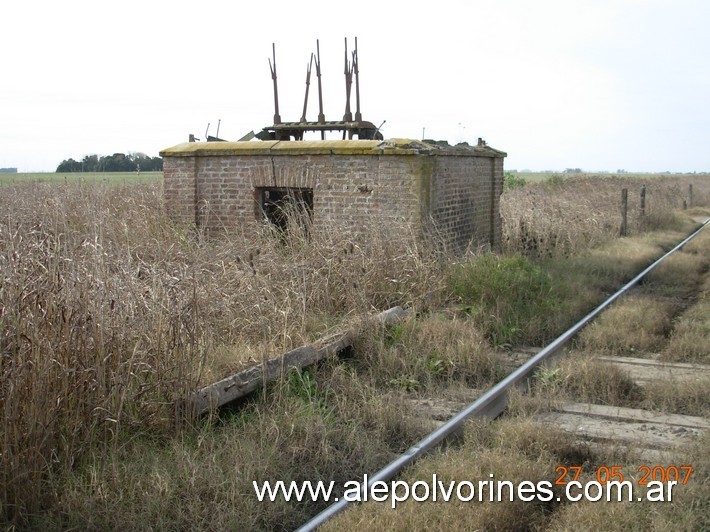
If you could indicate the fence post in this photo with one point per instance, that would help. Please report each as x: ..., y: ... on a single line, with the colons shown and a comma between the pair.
x: 643, y: 201
x: 690, y: 195
x: 624, y: 210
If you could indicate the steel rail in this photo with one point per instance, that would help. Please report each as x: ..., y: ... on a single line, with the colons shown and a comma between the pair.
x: 489, y: 405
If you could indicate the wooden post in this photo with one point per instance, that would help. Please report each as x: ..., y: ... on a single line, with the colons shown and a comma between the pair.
x: 624, y: 210
x: 643, y: 201
x: 690, y: 195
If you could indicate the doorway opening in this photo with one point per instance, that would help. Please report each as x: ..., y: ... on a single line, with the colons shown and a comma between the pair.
x: 282, y: 206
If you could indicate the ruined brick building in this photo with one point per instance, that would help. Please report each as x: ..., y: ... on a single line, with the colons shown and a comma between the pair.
x: 428, y: 186
x: 452, y: 190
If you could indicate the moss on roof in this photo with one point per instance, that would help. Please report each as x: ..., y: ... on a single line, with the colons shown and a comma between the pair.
x: 327, y: 147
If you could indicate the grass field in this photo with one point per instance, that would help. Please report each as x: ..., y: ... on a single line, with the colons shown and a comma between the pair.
x: 556, y: 176
x: 111, y: 178
x: 146, y: 177
x: 111, y: 315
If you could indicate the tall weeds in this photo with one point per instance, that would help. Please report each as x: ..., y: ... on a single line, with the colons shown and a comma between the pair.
x: 561, y: 217
x: 110, y: 315
x: 94, y: 340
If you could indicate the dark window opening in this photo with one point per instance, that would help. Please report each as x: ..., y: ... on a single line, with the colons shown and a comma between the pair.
x: 280, y: 206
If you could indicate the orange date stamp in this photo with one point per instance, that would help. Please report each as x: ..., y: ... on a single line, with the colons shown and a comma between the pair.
x: 645, y: 474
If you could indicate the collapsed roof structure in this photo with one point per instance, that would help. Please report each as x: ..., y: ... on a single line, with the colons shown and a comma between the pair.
x: 429, y: 187
x: 350, y: 126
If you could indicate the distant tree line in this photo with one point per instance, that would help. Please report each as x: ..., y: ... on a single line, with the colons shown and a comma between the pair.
x: 118, y: 162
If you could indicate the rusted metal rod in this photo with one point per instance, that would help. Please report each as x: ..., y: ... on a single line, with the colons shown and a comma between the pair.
x: 348, y: 116
x: 308, y: 82
x: 356, y: 68
x: 272, y: 67
x: 321, y: 116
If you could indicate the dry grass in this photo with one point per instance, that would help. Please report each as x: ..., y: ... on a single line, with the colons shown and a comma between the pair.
x: 689, y: 339
x: 510, y: 450
x: 688, y: 397
x: 563, y: 216
x: 582, y: 281
x: 110, y: 314
x: 513, y: 449
x: 646, y: 324
x: 678, y: 276
x: 419, y: 353
x: 580, y: 377
x: 203, y: 480
x: 585, y: 379
x: 649, y: 314
x: 699, y: 244
x: 95, y: 340
x: 617, y: 260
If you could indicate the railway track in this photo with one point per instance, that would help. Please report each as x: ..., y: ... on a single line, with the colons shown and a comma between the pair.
x: 644, y: 435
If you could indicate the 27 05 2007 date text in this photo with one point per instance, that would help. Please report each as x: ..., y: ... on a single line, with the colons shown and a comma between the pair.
x: 645, y: 473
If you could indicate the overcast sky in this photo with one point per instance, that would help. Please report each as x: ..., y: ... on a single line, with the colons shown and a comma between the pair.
x: 599, y: 84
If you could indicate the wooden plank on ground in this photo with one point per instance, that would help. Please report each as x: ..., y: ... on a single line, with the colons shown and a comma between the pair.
x: 643, y: 370
x: 627, y: 426
x: 243, y: 383
x: 620, y: 413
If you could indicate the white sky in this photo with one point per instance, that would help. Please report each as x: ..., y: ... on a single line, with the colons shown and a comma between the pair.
x: 598, y: 84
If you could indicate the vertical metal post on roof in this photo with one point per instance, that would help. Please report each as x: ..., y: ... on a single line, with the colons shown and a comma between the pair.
x: 356, y: 68
x: 348, y: 116
x: 308, y: 82
x: 321, y: 116
x: 277, y: 116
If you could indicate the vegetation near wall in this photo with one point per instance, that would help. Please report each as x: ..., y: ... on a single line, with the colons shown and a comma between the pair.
x: 110, y: 315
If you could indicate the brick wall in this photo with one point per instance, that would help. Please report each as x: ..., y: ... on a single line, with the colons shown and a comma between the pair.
x: 179, y: 188
x: 456, y: 192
